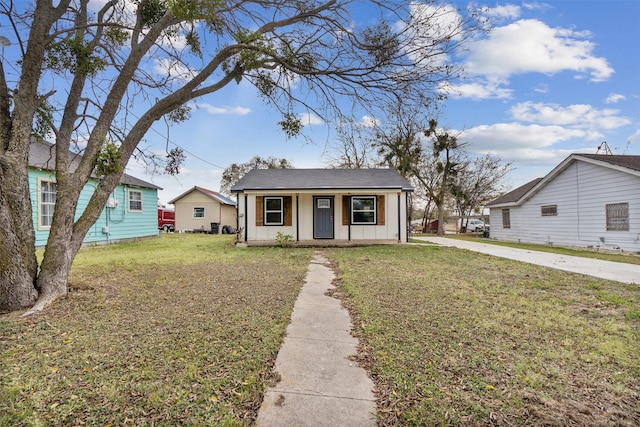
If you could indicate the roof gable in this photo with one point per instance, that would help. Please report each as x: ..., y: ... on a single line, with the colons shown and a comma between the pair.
x: 209, y: 193
x: 42, y: 155
x: 623, y: 163
x: 318, y: 179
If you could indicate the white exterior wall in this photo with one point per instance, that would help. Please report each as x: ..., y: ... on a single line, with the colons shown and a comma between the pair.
x: 388, y: 231
x: 213, y: 212
x: 581, y: 193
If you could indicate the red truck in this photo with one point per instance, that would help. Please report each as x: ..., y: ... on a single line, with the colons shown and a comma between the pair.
x: 166, y: 219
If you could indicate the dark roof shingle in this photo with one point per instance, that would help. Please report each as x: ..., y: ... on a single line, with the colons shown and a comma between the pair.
x: 42, y: 155
x: 318, y: 179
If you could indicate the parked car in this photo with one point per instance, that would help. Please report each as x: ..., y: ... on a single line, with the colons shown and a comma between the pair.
x: 475, y: 225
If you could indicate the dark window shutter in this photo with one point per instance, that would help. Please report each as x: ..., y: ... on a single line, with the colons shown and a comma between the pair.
x: 345, y: 209
x: 259, y: 211
x: 380, y: 210
x: 288, y: 210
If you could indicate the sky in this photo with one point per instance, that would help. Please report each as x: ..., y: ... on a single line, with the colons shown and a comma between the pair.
x: 550, y: 79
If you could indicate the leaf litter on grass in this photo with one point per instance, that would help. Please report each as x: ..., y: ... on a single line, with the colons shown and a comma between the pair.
x: 451, y: 339
x: 158, y: 344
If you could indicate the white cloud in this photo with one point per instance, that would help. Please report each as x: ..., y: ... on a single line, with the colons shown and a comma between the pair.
x: 576, y: 115
x: 368, y: 121
x: 310, y: 119
x: 175, y: 69
x: 529, y: 45
x: 510, y: 11
x: 212, y: 109
x: 541, y: 88
x: 614, y: 98
x: 477, y: 90
x: 511, y: 136
x: 428, y: 23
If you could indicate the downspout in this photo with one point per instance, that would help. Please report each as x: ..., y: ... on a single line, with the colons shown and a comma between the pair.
x: 399, y: 221
x: 406, y: 206
x: 246, y: 221
x: 237, y: 211
x: 349, y: 220
x: 297, y: 218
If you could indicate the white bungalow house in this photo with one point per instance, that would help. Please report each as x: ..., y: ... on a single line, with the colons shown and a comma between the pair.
x: 323, y: 206
x: 588, y: 200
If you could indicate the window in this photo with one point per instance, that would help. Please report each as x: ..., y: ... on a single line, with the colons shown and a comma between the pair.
x: 506, y: 218
x: 198, y: 212
x: 363, y: 210
x: 618, y: 217
x: 135, y: 200
x: 273, y: 211
x: 47, y: 203
x: 549, y: 210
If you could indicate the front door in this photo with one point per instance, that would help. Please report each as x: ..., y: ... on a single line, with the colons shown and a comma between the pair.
x: 322, y: 217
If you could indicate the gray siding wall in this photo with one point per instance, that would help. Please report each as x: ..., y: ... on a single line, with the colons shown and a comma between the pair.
x: 581, y: 193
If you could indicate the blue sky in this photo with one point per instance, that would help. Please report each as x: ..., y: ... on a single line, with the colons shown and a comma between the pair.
x: 551, y: 78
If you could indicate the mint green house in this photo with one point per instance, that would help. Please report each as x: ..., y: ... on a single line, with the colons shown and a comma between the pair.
x: 131, y: 212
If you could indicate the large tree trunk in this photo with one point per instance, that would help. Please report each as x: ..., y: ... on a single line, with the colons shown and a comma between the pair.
x: 18, y: 264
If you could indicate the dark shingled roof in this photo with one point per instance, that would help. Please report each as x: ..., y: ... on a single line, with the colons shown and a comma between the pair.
x: 42, y: 155
x: 632, y: 163
x: 629, y: 162
x: 321, y: 179
x: 514, y: 195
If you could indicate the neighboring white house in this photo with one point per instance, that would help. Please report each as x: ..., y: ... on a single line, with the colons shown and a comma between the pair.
x: 323, y: 205
x: 588, y: 200
x: 199, y: 208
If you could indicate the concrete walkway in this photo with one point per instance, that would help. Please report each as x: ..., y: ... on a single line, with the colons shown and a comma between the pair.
x: 621, y: 272
x: 319, y: 385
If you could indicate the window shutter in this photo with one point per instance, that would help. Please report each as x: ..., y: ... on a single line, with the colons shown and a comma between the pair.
x: 288, y: 210
x: 381, y: 210
x: 259, y: 211
x: 345, y: 210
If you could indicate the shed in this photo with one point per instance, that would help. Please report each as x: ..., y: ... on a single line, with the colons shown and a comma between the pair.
x: 198, y: 208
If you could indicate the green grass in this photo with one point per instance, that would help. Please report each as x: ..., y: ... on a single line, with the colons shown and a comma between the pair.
x: 626, y: 257
x: 453, y: 340
x: 184, y: 330
x: 180, y: 330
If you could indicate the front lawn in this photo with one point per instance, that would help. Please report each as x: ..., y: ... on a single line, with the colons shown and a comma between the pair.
x: 453, y: 339
x: 180, y: 330
x: 184, y: 330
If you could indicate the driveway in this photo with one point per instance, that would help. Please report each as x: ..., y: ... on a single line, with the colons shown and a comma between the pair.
x: 621, y: 272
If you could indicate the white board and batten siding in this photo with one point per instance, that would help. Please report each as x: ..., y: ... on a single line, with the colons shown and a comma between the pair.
x: 580, y: 192
x: 304, y: 215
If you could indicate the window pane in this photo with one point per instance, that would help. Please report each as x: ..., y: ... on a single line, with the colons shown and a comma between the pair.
x: 198, y: 212
x: 363, y: 210
x: 135, y: 200
x: 363, y: 217
x: 273, y: 204
x: 618, y: 217
x: 274, y: 218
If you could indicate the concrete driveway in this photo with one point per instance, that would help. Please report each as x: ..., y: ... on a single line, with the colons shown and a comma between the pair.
x: 621, y: 272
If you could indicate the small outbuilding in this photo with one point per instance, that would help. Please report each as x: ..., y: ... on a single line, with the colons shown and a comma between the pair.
x: 588, y: 200
x: 323, y: 206
x: 200, y: 209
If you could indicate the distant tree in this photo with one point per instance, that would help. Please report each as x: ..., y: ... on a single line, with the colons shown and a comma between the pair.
x: 354, y: 147
x: 233, y: 173
x: 88, y: 73
x: 438, y: 168
x: 479, y: 182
